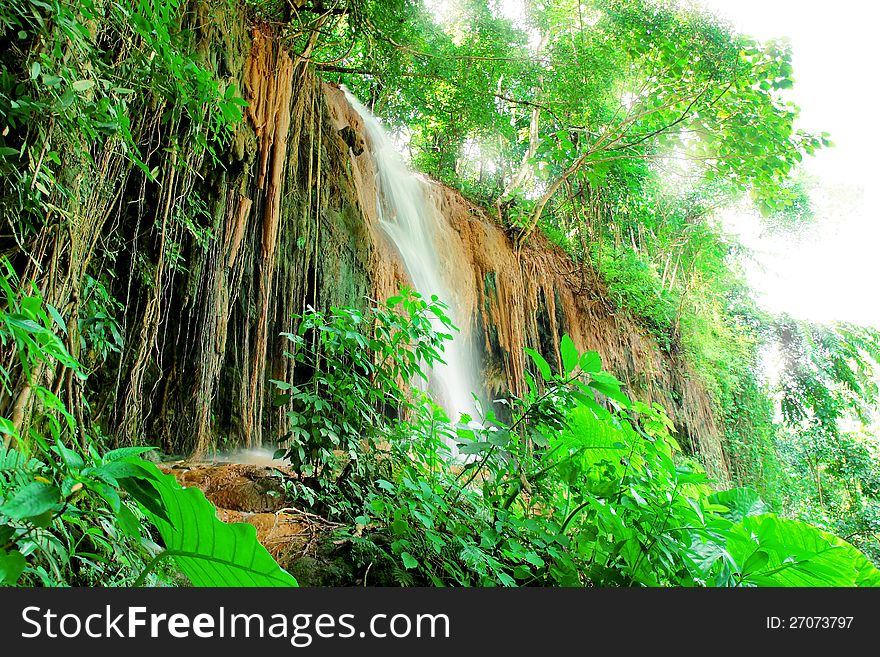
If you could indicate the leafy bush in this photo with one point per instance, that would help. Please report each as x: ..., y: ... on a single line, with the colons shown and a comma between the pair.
x: 62, y: 517
x: 86, y: 521
x: 635, y: 286
x: 64, y: 521
x: 827, y: 393
x: 359, y: 367
x: 582, y: 486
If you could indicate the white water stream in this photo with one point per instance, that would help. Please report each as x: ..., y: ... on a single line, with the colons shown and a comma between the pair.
x: 411, y: 221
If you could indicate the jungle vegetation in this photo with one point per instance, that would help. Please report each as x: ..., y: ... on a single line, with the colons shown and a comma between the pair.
x: 617, y: 128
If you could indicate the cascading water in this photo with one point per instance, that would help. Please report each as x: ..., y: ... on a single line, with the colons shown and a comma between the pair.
x: 411, y: 221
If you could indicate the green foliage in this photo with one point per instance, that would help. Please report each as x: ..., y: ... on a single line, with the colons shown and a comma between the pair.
x: 793, y: 211
x: 575, y: 97
x: 70, y: 516
x: 827, y: 394
x: 828, y: 373
x: 778, y: 552
x: 582, y: 486
x: 100, y: 334
x: 359, y: 365
x: 76, y: 76
x: 69, y: 522
x: 635, y: 286
x: 31, y: 327
x: 64, y: 521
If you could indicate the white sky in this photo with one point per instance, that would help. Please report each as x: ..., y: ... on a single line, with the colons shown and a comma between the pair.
x: 835, y: 273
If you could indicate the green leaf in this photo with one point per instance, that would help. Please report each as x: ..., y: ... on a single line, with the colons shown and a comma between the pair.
x: 798, y: 554
x: 207, y: 550
x: 595, y: 440
x: 108, y: 493
x: 757, y: 561
x: 125, y: 453
x: 71, y: 458
x: 32, y: 500
x: 569, y: 354
x: 123, y: 470
x: 586, y: 399
x: 11, y: 459
x: 128, y: 523
x: 12, y: 565
x: 281, y: 400
x: 533, y: 558
x: 409, y: 561
x: 83, y: 85
x: 474, y: 447
x: 23, y: 324
x: 146, y: 494
x: 59, y: 320
x: 590, y: 361
x: 42, y: 520
x: 498, y: 438
x: 740, y: 503
x: 611, y: 390
x: 542, y: 364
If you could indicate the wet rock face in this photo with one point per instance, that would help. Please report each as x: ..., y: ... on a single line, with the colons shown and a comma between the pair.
x: 288, y: 232
x: 352, y: 139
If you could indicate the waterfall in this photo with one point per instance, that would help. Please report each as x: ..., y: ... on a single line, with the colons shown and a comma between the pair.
x: 411, y: 222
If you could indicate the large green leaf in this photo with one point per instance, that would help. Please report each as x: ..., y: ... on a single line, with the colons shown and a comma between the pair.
x: 540, y: 362
x: 610, y: 387
x: 796, y: 554
x: 590, y: 361
x: 208, y: 551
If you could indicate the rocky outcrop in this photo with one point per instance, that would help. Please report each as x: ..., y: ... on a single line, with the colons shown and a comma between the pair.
x: 508, y: 299
x: 287, y: 220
